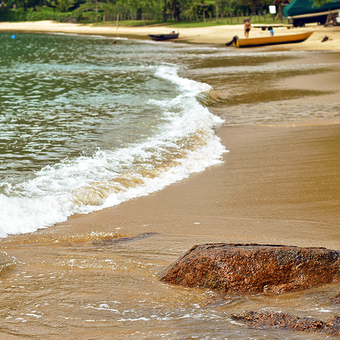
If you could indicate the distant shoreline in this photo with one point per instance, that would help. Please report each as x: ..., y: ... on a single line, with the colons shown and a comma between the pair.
x: 216, y: 35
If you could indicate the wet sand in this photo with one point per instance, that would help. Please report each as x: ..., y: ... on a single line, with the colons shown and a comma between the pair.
x: 278, y: 185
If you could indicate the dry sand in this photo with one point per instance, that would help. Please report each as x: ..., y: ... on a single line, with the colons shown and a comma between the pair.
x: 208, y: 35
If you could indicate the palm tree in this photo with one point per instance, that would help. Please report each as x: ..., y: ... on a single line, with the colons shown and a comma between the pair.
x: 64, y: 5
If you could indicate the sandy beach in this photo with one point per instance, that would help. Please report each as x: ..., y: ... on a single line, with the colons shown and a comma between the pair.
x: 263, y: 193
x: 278, y: 184
x: 208, y: 35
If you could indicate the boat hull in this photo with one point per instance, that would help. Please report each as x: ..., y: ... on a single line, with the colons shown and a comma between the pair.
x: 272, y: 40
x: 164, y: 36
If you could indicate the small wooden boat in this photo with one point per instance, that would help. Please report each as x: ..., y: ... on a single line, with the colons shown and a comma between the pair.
x: 271, y: 40
x: 169, y: 36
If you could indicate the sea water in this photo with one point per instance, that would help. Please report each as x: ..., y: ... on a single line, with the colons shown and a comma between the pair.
x: 87, y: 125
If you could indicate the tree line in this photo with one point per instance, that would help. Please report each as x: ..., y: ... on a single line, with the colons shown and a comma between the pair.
x: 157, y: 10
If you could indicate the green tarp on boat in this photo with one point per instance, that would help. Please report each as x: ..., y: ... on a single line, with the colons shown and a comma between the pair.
x: 301, y: 7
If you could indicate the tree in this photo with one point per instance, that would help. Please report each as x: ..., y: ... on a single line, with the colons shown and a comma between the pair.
x: 64, y: 5
x: 175, y: 9
x: 172, y: 8
x: 23, y: 3
x: 216, y: 10
x: 255, y: 5
x: 280, y: 4
x: 164, y: 16
x: 200, y: 7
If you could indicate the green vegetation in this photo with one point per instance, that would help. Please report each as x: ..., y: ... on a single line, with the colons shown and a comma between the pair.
x: 32, y: 15
x: 182, y: 13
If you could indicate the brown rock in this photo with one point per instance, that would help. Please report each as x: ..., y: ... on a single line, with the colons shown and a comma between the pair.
x: 231, y: 268
x: 287, y: 321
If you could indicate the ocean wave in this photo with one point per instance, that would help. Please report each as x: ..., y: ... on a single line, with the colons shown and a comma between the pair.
x: 184, y: 143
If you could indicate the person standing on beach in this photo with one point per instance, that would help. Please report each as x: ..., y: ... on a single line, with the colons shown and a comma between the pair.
x: 247, y: 28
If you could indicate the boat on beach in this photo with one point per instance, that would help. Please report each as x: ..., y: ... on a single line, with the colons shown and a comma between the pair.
x: 169, y: 36
x: 270, y: 40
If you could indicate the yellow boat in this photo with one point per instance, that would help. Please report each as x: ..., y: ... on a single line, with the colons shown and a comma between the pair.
x: 271, y: 40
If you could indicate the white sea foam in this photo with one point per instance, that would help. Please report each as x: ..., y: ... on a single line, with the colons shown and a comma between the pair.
x: 56, y: 192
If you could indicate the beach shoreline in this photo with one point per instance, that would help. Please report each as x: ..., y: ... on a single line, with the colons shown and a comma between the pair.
x: 262, y: 193
x: 278, y: 184
x: 214, y: 35
x: 202, y: 203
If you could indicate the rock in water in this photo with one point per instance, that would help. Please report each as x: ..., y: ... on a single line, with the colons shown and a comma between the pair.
x: 232, y: 268
x: 265, y: 319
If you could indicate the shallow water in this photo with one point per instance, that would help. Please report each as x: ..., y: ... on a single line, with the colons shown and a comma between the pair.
x: 80, y: 290
x: 81, y: 136
x: 264, y: 88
